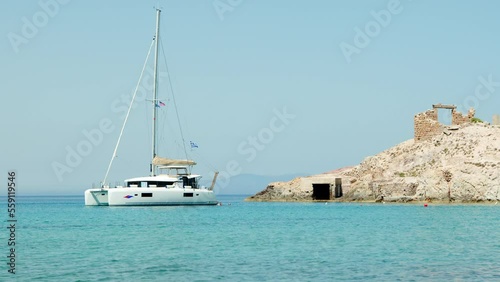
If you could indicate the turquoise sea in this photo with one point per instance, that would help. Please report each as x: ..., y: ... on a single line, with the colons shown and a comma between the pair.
x: 60, y: 239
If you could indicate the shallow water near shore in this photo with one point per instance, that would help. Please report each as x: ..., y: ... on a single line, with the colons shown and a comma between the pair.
x: 60, y: 239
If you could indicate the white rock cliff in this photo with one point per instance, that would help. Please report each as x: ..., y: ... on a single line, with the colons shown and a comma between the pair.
x: 460, y: 165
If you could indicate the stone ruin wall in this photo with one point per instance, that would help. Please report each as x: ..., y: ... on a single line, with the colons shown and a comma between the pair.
x: 427, y: 126
x: 457, y: 118
x: 496, y: 120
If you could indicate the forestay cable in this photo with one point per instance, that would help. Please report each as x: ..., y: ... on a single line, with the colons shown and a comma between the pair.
x: 126, y: 117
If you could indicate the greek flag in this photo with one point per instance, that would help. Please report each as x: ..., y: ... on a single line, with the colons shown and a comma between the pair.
x: 193, y: 145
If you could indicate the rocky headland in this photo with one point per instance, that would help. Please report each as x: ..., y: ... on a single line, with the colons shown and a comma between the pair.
x: 461, y: 163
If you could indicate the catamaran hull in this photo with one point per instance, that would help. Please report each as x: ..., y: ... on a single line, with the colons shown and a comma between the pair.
x: 96, y: 197
x: 149, y: 197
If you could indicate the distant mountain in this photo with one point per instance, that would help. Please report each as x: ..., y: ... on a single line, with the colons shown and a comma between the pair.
x: 249, y: 184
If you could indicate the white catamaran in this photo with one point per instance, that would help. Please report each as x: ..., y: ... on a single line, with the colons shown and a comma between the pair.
x: 170, y: 182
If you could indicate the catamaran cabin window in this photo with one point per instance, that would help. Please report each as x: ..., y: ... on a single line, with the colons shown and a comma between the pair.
x: 150, y: 184
x: 147, y: 195
x: 189, y: 182
x: 161, y: 184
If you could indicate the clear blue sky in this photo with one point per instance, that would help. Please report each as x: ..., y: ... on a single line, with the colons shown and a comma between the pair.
x: 231, y: 67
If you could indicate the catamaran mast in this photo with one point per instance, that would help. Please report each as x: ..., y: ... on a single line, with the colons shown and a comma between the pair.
x: 155, y: 91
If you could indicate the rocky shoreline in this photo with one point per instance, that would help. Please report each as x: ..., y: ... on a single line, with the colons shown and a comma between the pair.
x: 461, y: 165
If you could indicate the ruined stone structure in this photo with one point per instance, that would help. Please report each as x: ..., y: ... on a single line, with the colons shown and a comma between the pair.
x: 427, y: 126
x: 496, y: 120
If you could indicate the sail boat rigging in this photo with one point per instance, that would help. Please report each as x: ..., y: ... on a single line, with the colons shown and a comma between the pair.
x: 170, y: 181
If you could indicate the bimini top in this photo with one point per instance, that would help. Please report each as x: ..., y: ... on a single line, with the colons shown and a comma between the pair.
x: 161, y: 178
x: 171, y: 162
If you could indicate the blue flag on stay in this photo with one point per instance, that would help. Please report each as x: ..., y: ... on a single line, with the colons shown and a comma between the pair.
x: 193, y: 145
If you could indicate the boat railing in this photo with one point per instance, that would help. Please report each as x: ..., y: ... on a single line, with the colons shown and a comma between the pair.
x: 101, y: 185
